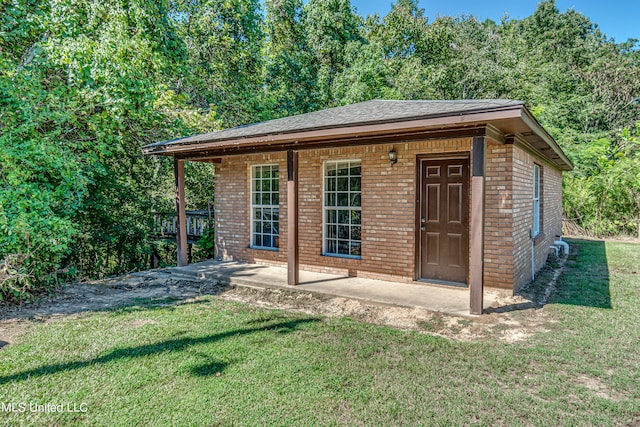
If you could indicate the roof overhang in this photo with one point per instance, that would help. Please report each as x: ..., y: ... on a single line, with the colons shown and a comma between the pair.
x: 507, y: 121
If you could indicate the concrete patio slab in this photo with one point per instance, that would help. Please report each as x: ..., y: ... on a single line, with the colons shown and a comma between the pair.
x: 452, y: 300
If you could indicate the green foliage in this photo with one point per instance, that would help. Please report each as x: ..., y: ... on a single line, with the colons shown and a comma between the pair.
x: 207, y: 244
x: 223, y: 41
x: 330, y: 26
x: 85, y: 83
x: 289, y: 70
x: 79, y: 83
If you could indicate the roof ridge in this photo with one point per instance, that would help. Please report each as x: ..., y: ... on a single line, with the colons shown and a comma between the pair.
x: 443, y: 100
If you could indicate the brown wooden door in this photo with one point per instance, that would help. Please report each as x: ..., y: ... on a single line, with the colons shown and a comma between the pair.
x: 444, y: 220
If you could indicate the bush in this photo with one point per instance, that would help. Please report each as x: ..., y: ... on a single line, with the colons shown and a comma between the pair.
x: 16, y: 281
x: 207, y: 245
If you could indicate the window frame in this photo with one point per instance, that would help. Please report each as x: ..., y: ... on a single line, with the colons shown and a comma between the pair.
x: 326, y: 209
x: 537, y: 200
x: 253, y: 206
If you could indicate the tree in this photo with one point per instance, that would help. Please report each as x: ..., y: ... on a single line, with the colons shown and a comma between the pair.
x: 330, y: 25
x: 224, y: 42
x: 403, y: 32
x: 289, y: 70
x: 79, y: 86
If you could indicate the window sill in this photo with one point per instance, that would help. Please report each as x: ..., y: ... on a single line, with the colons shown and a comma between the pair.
x: 264, y: 248
x: 355, y: 257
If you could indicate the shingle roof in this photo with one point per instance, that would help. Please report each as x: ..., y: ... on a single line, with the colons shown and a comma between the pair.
x: 369, y: 112
x: 367, y: 122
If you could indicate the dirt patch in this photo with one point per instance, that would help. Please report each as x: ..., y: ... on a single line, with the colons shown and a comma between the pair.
x: 142, y: 322
x: 507, y: 326
x: 597, y: 386
x: 511, y: 319
x: 157, y: 287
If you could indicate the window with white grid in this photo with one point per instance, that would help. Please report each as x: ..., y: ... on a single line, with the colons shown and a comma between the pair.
x: 536, y: 200
x: 342, y: 208
x: 265, y: 201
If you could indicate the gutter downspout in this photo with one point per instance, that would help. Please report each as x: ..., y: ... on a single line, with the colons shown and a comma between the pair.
x: 533, y: 262
x: 533, y: 255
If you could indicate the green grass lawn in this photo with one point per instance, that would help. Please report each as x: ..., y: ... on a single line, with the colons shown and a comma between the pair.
x: 214, y: 362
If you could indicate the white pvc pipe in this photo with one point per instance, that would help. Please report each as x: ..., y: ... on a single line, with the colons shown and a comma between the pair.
x: 565, y: 245
x: 533, y: 261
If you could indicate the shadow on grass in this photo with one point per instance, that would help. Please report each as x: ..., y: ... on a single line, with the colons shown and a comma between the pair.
x: 208, y: 369
x: 584, y: 280
x: 172, y: 345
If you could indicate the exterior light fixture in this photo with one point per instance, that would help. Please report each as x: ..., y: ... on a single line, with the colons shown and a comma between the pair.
x: 393, y: 156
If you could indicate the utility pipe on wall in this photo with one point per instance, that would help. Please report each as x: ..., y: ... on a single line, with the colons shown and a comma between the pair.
x: 560, y: 242
x: 533, y: 261
x: 533, y: 256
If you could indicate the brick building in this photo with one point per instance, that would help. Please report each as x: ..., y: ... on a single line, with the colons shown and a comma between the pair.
x: 459, y: 193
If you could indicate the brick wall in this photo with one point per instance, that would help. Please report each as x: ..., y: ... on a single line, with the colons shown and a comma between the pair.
x: 523, y: 215
x: 499, y: 211
x: 233, y: 204
x: 388, y: 210
x: 551, y: 211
